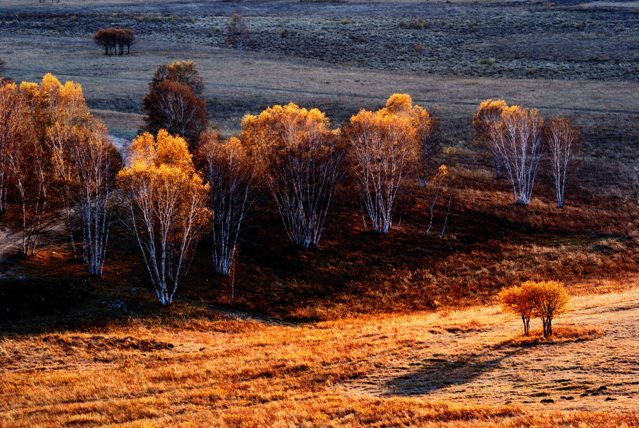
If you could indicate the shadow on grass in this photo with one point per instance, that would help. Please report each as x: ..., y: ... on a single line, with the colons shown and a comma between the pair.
x: 438, y: 373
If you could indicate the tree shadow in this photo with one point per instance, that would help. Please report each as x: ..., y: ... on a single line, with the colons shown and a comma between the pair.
x: 433, y: 374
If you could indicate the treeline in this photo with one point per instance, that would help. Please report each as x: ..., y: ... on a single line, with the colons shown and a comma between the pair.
x: 114, y: 40
x: 182, y: 180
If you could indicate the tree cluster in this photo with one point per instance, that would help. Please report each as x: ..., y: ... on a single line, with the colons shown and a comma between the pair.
x: 518, y: 139
x: 545, y: 300
x: 115, y: 40
x: 55, y: 156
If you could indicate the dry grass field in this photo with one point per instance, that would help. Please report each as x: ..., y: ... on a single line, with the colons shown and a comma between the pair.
x: 366, y: 330
x: 448, y: 368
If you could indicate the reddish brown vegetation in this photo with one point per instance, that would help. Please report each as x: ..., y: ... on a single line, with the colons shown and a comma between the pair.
x: 114, y: 40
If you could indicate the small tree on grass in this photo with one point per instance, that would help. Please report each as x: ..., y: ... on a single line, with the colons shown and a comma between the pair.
x: 562, y: 140
x: 114, y: 40
x: 550, y: 299
x: 231, y: 175
x: 516, y: 300
x: 545, y: 300
x: 488, y: 115
x: 167, y: 199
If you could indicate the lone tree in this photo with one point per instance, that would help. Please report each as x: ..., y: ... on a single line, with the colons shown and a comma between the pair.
x: 237, y: 32
x: 114, y: 40
x: 172, y: 106
x: 545, y: 300
x: 383, y: 146
x: 302, y: 161
x: 517, y: 137
x: 167, y: 199
x: 488, y: 115
x: 231, y: 175
x: 562, y: 140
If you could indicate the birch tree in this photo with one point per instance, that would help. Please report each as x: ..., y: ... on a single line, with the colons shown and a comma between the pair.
x: 95, y: 162
x: 562, y: 140
x: 302, y: 161
x: 231, y: 175
x: 14, y: 122
x: 167, y: 200
x: 27, y: 165
x: 383, y: 146
x: 517, y: 136
x: 488, y: 115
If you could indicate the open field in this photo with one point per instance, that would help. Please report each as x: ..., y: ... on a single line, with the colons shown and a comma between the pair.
x: 443, y: 369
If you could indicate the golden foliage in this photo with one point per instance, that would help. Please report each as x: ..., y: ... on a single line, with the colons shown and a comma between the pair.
x: 487, y: 114
x: 544, y: 299
x: 168, y: 203
x: 301, y: 158
x: 384, y: 144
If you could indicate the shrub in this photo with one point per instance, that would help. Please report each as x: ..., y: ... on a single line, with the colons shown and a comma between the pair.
x: 413, y: 24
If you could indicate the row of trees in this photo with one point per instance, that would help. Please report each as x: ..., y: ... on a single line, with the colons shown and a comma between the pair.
x: 545, y: 300
x: 114, y: 40
x: 57, y: 158
x: 518, y: 138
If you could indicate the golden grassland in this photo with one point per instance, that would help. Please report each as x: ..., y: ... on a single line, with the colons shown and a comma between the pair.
x: 448, y: 368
